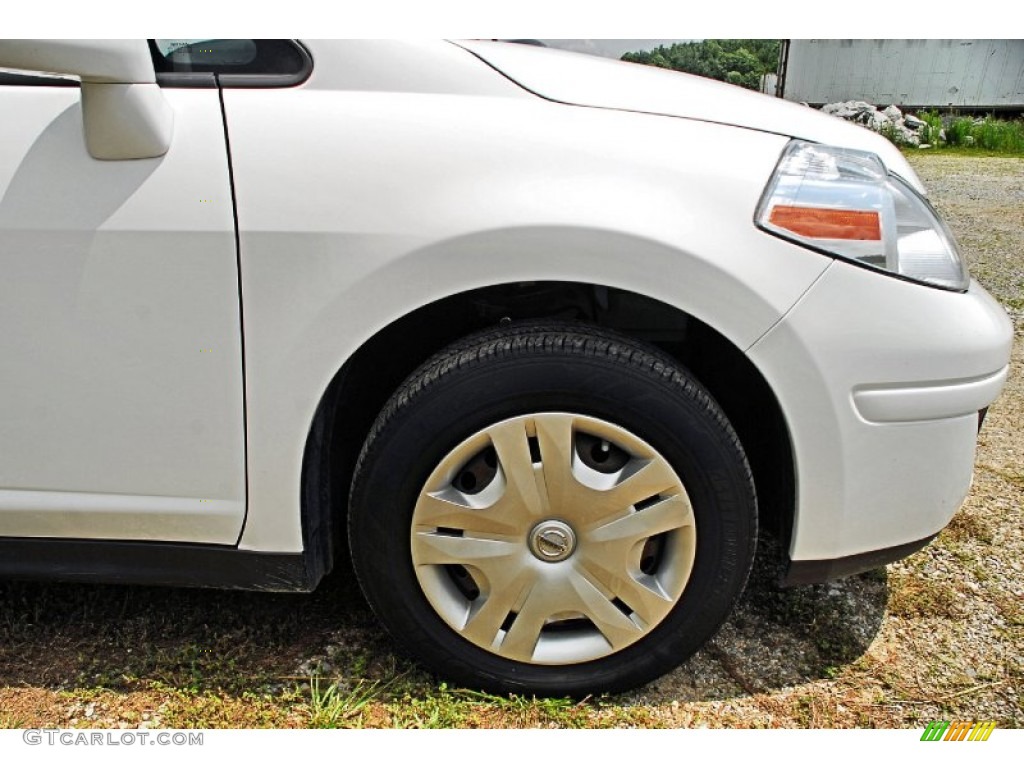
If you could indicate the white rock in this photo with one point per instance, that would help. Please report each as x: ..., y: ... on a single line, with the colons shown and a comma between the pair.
x: 877, y: 121
x: 911, y: 138
x: 848, y: 109
x: 891, y: 121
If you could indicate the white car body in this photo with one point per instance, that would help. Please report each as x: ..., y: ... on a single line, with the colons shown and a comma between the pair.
x: 160, y: 387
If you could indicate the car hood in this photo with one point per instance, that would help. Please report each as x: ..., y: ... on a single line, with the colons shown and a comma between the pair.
x: 590, y: 81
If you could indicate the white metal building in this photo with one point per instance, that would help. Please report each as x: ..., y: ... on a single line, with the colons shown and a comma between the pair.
x: 977, y: 75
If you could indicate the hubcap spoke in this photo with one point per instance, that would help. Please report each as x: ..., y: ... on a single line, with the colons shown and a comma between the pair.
x: 573, y: 593
x: 511, y: 442
x: 610, y: 621
x: 438, y: 549
x: 650, y: 605
x: 433, y: 511
x: 485, y: 622
x: 653, y: 478
x: 554, y: 439
x: 521, y: 639
x: 660, y: 517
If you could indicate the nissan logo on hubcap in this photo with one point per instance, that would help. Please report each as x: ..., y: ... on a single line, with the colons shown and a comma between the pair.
x: 552, y: 541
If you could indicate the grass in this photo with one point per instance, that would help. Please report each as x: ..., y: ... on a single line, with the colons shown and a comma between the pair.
x: 184, y: 709
x: 914, y: 596
x: 966, y: 526
x: 968, y: 135
x: 8, y: 722
x: 460, y: 708
x: 338, y: 706
x: 384, y: 705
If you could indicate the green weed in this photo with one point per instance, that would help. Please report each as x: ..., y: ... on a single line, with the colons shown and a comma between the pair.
x: 8, y: 722
x: 988, y: 135
x: 337, y: 707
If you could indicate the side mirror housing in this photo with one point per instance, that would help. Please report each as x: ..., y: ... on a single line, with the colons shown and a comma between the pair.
x: 124, y: 113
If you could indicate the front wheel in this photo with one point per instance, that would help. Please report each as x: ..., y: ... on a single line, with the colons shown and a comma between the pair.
x: 552, y: 509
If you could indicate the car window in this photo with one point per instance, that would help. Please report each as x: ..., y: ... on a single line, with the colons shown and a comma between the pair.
x: 236, y: 63
x: 204, y: 55
x: 194, y: 63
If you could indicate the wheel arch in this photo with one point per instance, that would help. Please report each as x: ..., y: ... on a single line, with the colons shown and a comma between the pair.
x: 359, y: 389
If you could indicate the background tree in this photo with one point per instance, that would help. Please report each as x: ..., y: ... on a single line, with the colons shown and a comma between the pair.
x: 740, y: 62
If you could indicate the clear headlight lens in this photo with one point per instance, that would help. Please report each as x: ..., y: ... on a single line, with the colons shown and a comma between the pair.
x: 843, y: 202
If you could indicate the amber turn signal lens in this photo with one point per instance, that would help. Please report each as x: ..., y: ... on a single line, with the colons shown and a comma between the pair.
x: 827, y: 223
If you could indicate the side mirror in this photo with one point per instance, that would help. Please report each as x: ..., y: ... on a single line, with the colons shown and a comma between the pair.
x: 124, y: 113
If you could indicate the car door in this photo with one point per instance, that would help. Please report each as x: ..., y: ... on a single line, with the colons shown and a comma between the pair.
x: 121, y: 389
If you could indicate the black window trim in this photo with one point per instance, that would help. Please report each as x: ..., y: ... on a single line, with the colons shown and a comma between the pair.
x: 211, y: 80
x: 27, y: 78
x: 184, y: 79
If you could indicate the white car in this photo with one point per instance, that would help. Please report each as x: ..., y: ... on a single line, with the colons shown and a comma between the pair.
x: 551, y: 337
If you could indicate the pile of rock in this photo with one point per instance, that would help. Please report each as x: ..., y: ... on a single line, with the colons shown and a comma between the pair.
x: 900, y: 128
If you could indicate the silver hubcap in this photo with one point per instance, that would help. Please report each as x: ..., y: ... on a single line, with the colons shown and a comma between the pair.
x: 553, y: 538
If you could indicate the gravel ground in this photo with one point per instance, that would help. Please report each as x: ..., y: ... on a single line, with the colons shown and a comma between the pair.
x: 940, y: 634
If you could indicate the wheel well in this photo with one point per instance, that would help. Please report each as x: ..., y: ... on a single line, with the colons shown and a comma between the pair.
x: 362, y: 386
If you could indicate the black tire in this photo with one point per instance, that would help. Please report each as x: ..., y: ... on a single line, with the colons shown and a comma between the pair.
x: 605, y: 380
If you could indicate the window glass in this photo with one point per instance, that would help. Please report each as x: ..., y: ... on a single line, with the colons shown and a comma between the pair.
x: 229, y: 57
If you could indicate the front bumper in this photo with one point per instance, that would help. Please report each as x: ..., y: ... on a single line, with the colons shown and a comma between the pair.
x: 797, y: 572
x: 880, y: 382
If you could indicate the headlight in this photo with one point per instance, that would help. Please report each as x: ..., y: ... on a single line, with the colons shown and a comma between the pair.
x: 844, y: 203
